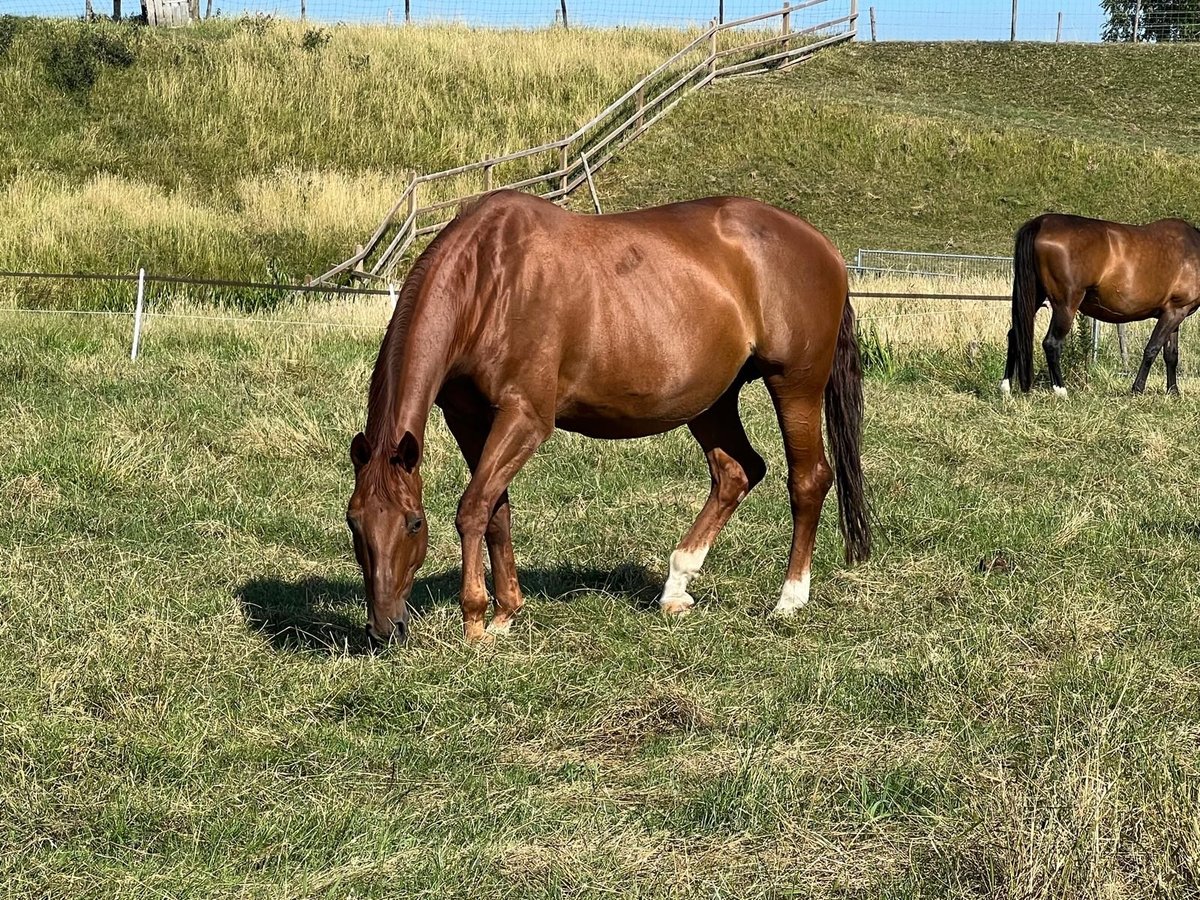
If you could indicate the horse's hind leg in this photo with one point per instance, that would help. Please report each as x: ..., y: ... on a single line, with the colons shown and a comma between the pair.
x: 735, y: 468
x: 809, y: 480
x: 1061, y: 320
x: 1168, y: 324
x: 1171, y: 358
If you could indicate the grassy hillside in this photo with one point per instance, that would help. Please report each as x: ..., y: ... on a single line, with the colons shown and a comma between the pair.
x: 187, y: 710
x: 938, y: 147
x: 252, y: 147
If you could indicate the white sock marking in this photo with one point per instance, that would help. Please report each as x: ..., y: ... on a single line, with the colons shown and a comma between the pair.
x: 1006, y: 388
x: 684, y: 566
x: 1060, y: 391
x: 794, y: 595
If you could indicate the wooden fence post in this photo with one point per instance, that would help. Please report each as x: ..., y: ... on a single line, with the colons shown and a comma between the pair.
x: 873, y: 23
x: 712, y: 47
x: 1137, y: 20
x: 487, y: 178
x: 787, y: 21
x: 407, y: 11
x: 564, y: 158
x: 116, y: 10
x: 640, y: 101
x: 1012, y: 34
x: 721, y: 12
x: 303, y: 10
x: 563, y: 4
x: 854, y: 18
x: 1058, y: 33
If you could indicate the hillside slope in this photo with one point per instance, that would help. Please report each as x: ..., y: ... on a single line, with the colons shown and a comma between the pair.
x: 255, y: 149
x: 938, y: 146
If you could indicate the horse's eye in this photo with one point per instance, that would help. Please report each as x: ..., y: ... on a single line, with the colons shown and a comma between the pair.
x: 352, y: 525
x: 415, y: 524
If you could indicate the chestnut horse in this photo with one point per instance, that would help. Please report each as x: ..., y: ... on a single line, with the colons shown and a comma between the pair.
x: 1106, y: 270
x: 521, y: 316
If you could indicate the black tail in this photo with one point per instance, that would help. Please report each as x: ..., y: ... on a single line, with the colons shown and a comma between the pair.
x: 844, y: 419
x: 1027, y: 294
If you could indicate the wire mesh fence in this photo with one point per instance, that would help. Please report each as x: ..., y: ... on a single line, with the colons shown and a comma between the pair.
x: 988, y: 20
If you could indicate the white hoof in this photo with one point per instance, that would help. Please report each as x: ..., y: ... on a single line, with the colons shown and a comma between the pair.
x: 677, y: 606
x: 1005, y: 388
x: 1060, y: 392
x: 793, y: 597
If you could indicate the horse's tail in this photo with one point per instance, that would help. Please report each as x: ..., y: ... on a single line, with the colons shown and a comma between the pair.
x: 844, y: 419
x: 1027, y: 294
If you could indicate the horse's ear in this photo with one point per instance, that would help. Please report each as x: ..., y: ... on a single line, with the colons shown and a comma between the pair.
x: 408, y: 452
x: 360, y: 451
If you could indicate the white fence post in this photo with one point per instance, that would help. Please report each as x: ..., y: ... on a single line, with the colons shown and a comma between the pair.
x: 392, y: 294
x: 137, y: 314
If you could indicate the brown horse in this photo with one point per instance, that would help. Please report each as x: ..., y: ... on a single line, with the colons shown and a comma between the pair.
x: 521, y: 317
x: 1109, y: 271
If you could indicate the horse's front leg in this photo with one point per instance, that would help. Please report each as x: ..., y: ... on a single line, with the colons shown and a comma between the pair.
x: 516, y: 432
x: 470, y: 429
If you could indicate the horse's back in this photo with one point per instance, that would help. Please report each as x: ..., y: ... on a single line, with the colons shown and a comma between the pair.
x: 648, y: 316
x: 1120, y: 269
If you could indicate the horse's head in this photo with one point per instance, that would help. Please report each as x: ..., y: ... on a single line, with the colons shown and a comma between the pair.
x: 387, y: 520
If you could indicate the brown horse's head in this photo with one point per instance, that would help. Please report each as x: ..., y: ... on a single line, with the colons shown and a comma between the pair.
x: 387, y: 520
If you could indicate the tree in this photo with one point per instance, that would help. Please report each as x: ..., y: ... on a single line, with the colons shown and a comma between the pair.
x: 1156, y: 20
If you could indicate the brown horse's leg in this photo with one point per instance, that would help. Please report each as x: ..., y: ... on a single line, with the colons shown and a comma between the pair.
x: 1167, y: 323
x: 1061, y: 320
x: 470, y: 432
x: 516, y: 433
x: 735, y: 468
x: 809, y: 480
x: 1171, y: 358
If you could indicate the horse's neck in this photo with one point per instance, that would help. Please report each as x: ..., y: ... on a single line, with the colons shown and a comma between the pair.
x: 417, y: 367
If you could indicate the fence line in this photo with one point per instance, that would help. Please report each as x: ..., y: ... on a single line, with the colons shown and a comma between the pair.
x: 597, y: 141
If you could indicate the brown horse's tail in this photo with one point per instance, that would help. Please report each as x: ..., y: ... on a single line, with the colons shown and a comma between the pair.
x: 1027, y: 294
x: 844, y: 419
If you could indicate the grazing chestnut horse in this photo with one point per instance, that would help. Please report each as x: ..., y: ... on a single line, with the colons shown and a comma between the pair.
x: 1106, y: 270
x: 521, y: 317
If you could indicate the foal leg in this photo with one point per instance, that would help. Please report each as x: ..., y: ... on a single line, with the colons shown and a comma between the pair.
x: 735, y: 468
x: 470, y: 433
x: 1061, y: 320
x: 809, y: 480
x: 1167, y: 323
x: 516, y: 433
x: 1171, y: 358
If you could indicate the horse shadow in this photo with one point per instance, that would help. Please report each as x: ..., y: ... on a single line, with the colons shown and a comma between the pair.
x: 327, y: 614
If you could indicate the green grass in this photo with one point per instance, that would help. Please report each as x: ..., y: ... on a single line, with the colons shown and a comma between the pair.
x: 936, y: 146
x: 253, y: 147
x: 232, y: 150
x: 186, y: 708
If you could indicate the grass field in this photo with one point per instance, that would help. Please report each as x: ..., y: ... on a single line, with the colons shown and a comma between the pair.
x: 1005, y: 702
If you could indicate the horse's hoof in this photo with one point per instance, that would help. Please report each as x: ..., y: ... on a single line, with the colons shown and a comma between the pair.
x: 677, y: 607
x: 500, y: 629
x: 1006, y: 388
x: 474, y: 633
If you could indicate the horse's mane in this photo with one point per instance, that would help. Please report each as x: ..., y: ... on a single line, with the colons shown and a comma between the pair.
x: 383, y: 394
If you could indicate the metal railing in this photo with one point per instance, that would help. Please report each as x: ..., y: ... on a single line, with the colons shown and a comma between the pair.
x: 575, y: 158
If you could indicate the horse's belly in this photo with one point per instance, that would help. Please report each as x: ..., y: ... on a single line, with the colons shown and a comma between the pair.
x: 643, y: 401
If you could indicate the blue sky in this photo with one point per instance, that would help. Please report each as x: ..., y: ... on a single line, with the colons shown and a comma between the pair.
x: 896, y: 19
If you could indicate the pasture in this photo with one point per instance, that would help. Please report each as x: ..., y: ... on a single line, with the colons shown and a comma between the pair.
x: 1002, y: 703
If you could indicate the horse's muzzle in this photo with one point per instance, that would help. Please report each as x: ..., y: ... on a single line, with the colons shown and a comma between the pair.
x: 398, y: 635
